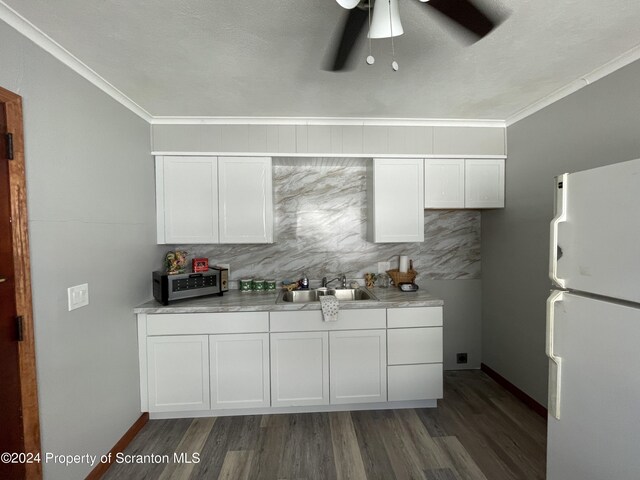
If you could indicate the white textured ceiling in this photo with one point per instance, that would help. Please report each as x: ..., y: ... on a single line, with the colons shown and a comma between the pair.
x: 264, y: 57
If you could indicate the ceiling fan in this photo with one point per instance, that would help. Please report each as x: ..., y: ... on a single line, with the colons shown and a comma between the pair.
x: 384, y: 22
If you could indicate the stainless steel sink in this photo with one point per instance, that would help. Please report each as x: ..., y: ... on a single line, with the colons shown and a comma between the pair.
x: 342, y: 294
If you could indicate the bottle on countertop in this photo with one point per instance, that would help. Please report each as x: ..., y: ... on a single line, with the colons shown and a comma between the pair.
x: 304, y: 282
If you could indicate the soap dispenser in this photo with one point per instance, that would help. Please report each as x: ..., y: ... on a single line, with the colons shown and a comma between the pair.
x: 304, y: 282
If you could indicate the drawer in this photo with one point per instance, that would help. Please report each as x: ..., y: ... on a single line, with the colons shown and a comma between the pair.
x: 414, y: 345
x: 414, y: 382
x: 311, y: 320
x: 207, y: 323
x: 414, y: 317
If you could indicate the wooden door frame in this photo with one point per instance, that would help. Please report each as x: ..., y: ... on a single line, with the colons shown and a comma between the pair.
x: 22, y: 268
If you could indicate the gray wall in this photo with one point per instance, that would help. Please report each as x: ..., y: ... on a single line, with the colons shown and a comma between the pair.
x: 91, y: 219
x: 595, y: 126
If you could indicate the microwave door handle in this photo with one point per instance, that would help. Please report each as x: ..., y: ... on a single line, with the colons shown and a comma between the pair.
x: 555, y: 362
x: 561, y: 216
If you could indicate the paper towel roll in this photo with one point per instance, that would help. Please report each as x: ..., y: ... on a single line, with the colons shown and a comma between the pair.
x: 404, y: 264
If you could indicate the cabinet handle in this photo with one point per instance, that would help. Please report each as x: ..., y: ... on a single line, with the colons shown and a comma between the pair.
x: 555, y: 362
x: 2, y: 279
x: 561, y: 216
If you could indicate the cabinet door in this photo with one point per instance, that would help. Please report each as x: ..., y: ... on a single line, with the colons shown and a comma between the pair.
x: 358, y: 372
x: 484, y: 183
x: 396, y: 200
x: 299, y: 368
x: 415, y: 382
x: 187, y: 199
x: 178, y: 373
x: 246, y: 200
x: 415, y: 345
x: 239, y: 367
x: 443, y: 183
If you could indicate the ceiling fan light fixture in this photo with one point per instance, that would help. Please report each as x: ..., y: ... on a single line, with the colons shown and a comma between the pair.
x: 385, y: 22
x: 348, y: 4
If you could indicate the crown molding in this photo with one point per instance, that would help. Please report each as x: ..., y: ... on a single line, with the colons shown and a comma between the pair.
x: 291, y: 155
x: 616, y: 64
x: 354, y: 121
x: 44, y: 41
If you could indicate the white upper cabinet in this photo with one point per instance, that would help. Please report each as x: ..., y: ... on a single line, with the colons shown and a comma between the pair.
x: 443, y: 183
x: 470, y: 183
x: 395, y: 200
x: 187, y: 199
x: 214, y: 200
x: 246, y: 200
x: 484, y: 183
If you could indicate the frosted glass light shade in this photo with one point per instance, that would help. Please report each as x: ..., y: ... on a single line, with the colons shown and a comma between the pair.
x: 348, y: 4
x: 381, y: 27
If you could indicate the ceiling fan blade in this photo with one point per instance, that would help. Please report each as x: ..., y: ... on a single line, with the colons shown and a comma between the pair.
x: 341, y: 50
x: 467, y: 15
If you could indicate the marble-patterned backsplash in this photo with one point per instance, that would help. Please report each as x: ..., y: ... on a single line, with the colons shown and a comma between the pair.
x: 320, y: 230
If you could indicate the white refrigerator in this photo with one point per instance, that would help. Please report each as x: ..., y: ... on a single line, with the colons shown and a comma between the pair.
x: 593, y: 326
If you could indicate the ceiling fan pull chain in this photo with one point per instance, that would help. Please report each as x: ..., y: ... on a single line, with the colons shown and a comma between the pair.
x: 394, y: 64
x: 370, y: 59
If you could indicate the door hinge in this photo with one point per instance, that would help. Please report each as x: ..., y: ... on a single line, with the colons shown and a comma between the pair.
x: 9, y: 137
x: 20, y: 325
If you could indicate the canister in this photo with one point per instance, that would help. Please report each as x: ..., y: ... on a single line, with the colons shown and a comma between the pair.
x: 257, y: 285
x: 270, y: 285
x: 245, y: 284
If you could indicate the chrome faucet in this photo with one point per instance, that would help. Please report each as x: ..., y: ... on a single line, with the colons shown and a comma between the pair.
x: 342, y: 278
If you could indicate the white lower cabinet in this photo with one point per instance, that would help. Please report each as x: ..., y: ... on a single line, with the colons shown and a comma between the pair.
x: 358, y: 366
x: 178, y: 373
x: 414, y: 342
x: 415, y: 382
x: 239, y: 366
x: 299, y: 368
x: 221, y: 362
x: 415, y: 345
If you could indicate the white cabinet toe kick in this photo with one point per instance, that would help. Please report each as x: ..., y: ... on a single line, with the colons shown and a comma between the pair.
x: 251, y: 363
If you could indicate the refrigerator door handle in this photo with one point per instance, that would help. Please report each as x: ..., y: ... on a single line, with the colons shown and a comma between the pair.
x: 555, y: 362
x: 561, y: 216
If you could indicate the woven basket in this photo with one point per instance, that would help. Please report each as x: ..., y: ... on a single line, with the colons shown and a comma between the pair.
x: 397, y: 277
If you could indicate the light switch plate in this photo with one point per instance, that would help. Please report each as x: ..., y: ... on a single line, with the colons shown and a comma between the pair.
x: 384, y: 266
x: 78, y: 296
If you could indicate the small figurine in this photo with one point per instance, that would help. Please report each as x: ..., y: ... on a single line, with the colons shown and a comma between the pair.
x: 370, y: 279
x: 175, y: 262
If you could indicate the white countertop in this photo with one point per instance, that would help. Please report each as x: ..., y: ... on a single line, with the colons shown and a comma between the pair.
x: 235, y: 301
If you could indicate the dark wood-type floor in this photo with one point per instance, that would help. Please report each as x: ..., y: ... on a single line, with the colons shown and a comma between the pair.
x: 478, y: 431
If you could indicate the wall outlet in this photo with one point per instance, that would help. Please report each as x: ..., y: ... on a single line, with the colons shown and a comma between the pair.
x: 78, y: 296
x: 384, y: 266
x: 461, y: 358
